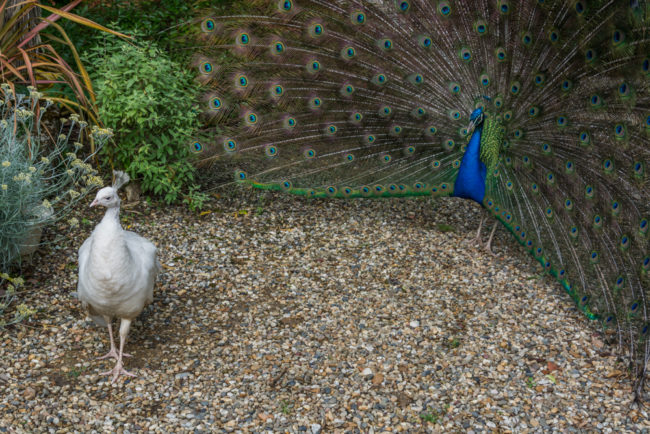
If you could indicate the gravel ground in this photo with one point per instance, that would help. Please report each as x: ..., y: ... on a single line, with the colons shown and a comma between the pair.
x: 280, y: 314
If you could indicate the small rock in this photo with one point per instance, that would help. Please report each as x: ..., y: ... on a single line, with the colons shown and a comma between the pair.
x: 315, y: 428
x: 133, y: 192
x: 414, y: 324
x: 29, y: 393
x: 598, y: 344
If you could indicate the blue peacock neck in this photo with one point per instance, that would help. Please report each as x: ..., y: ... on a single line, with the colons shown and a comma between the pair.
x: 470, y: 183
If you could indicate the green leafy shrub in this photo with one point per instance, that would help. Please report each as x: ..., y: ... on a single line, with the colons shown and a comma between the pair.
x: 150, y: 102
x: 41, y: 177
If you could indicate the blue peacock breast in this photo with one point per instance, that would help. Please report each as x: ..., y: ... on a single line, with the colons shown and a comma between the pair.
x: 470, y: 183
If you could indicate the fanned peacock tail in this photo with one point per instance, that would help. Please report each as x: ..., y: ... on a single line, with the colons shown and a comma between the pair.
x: 333, y: 98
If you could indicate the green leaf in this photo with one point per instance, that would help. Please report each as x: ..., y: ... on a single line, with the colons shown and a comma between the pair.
x: 551, y: 378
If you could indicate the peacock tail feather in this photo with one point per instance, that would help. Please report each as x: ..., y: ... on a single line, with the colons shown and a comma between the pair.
x: 333, y: 98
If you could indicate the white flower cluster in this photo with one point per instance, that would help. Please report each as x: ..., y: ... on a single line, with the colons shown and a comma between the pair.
x: 25, y: 311
x: 23, y: 114
x: 101, y: 133
x: 94, y: 181
x: 23, y: 177
x: 33, y: 93
x: 85, y: 167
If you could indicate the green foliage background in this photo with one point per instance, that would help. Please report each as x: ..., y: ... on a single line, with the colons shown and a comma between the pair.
x: 146, y: 90
x: 150, y: 102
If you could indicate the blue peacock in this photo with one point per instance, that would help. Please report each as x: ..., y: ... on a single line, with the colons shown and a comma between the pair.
x: 537, y: 110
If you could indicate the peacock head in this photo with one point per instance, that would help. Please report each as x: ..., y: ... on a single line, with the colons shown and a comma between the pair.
x: 476, y: 119
x: 106, y: 197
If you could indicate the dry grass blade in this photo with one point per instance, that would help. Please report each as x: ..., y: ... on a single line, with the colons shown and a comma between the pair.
x: 80, y: 66
x: 25, y: 60
x: 83, y: 21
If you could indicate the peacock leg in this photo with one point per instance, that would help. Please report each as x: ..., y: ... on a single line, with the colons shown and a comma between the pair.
x: 113, y: 352
x: 118, y: 369
x: 488, y: 246
x: 477, y: 238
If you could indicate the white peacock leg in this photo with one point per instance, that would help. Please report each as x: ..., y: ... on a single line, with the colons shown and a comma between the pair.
x: 118, y: 369
x: 113, y: 351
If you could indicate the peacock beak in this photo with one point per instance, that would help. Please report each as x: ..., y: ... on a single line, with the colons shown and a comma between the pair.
x: 471, y: 125
x: 94, y: 203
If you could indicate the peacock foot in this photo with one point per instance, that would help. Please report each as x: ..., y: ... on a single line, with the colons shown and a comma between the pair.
x: 118, y: 370
x: 112, y: 353
x: 488, y: 248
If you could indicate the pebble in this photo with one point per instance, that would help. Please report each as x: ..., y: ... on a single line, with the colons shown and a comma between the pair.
x: 283, y: 314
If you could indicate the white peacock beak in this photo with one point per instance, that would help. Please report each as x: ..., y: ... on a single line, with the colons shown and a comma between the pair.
x: 94, y: 203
